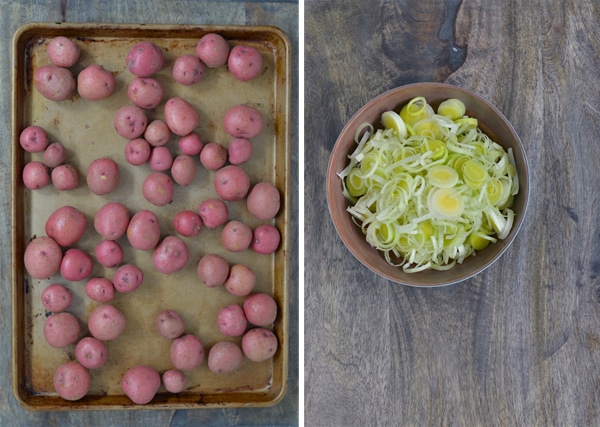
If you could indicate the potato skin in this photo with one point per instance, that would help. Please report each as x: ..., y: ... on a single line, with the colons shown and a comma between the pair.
x: 213, y: 50
x: 225, y: 357
x: 102, y: 176
x: 212, y: 270
x: 259, y: 344
x: 145, y: 92
x: 214, y: 212
x: 66, y: 225
x: 171, y: 255
x: 180, y: 116
x: 130, y: 121
x: 213, y: 156
x: 231, y: 183
x: 158, y: 188
x: 169, y: 324
x: 42, y: 257
x: 71, y: 381
x: 187, y: 352
x: 239, y: 151
x: 263, y: 201
x: 76, y: 265
x: 111, y: 220
x: 65, y: 177
x: 54, y: 83
x: 183, y: 170
x: 232, y: 321
x: 140, y: 383
x: 241, y: 280
x: 128, y: 278
x: 106, y: 322
x: 56, y: 298
x: 260, y: 309
x: 157, y: 133
x: 91, y: 353
x: 61, y: 329
x: 34, y: 139
x: 244, y: 62
x: 190, y: 144
x: 188, y: 70
x: 36, y: 175
x: 100, y: 289
x: 137, y: 151
x: 265, y: 239
x: 236, y: 236
x: 143, y: 231
x: 144, y: 59
x: 63, y: 52
x: 95, y: 82
x: 109, y: 253
x: 54, y: 155
x: 187, y: 223
x: 243, y: 121
x: 174, y: 381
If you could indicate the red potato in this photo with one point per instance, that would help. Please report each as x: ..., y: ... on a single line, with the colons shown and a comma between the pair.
x: 111, y: 220
x: 245, y: 62
x: 263, y: 201
x: 231, y: 183
x: 169, y: 324
x: 157, y: 133
x: 95, y: 82
x: 106, y: 322
x: 232, y: 321
x: 213, y: 50
x: 171, y: 255
x: 109, y: 253
x: 214, y: 212
x: 100, y: 289
x: 63, y: 52
x: 259, y: 344
x: 143, y: 231
x: 243, y: 121
x: 239, y: 151
x: 76, y: 265
x: 181, y: 116
x: 140, y: 384
x: 260, y: 309
x: 54, y: 83
x: 160, y: 159
x: 42, y: 257
x: 183, y: 170
x: 128, y: 278
x: 91, y: 353
x: 241, y: 280
x: 158, y: 188
x: 212, y: 270
x: 174, y: 381
x: 71, y: 381
x: 190, y: 144
x: 265, y: 239
x: 225, y: 357
x: 102, y: 176
x: 54, y: 155
x: 144, y: 59
x: 213, y: 156
x: 34, y: 139
x: 66, y: 225
x: 137, y: 151
x: 188, y: 70
x: 56, y: 298
x: 145, y: 92
x: 187, y: 223
x: 65, y: 177
x: 130, y: 121
x: 187, y: 352
x: 61, y: 329
x: 36, y: 175
x: 236, y: 236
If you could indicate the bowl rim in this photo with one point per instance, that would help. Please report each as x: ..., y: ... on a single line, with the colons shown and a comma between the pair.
x: 332, y: 185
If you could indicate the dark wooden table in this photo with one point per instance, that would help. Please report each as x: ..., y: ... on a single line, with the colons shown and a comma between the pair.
x: 520, y: 343
x: 283, y: 14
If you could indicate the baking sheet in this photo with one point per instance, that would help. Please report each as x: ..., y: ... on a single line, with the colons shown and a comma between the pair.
x: 86, y: 130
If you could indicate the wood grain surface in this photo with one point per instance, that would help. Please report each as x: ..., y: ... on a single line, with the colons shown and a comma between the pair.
x: 518, y: 345
x: 283, y: 14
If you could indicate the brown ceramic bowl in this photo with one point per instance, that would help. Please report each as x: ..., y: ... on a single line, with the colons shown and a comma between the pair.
x: 491, y: 121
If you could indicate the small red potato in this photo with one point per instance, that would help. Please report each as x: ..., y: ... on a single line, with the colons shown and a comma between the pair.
x: 42, y: 257
x: 140, y: 384
x: 111, y: 220
x: 91, y: 353
x: 144, y: 59
x: 54, y: 83
x: 54, y: 155
x: 65, y: 177
x: 128, y: 278
x: 61, y: 329
x: 187, y: 223
x: 181, y: 116
x: 174, y: 381
x: 34, y: 139
x: 71, y: 381
x: 66, y: 225
x: 56, y: 298
x: 160, y: 159
x: 243, y: 121
x: 265, y: 239
x: 225, y: 357
x: 232, y: 321
x: 241, y: 280
x: 169, y: 324
x: 213, y: 50
x: 171, y: 255
x: 76, y: 265
x: 214, y: 212
x: 145, y: 92
x: 239, y: 151
x: 187, y: 352
x: 137, y: 151
x: 102, y: 176
x: 263, y: 201
x: 63, y: 52
x: 244, y: 62
x: 212, y: 270
x: 106, y: 322
x: 231, y: 183
x: 157, y: 133
x: 260, y: 309
x: 36, y: 175
x: 236, y: 236
x: 158, y: 188
x: 100, y: 289
x: 183, y: 170
x: 130, y: 121
x: 95, y: 82
x: 143, y: 231
x: 259, y: 344
x: 213, y: 156
x: 109, y: 253
x: 190, y: 144
x: 188, y: 70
